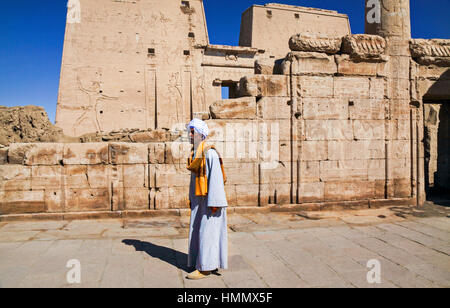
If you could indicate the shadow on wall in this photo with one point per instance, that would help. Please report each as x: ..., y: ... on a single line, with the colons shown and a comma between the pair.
x: 168, y: 255
x: 439, y: 96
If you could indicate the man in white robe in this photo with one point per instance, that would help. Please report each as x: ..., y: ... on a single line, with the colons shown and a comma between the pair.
x: 208, y: 238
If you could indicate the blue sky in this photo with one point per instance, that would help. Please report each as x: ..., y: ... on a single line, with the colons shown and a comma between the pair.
x: 32, y: 35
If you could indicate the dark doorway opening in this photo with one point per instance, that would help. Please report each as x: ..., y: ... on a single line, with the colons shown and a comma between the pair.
x: 437, y: 150
x: 230, y: 89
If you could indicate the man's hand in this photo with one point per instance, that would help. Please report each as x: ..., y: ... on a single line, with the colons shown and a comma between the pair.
x: 214, y: 210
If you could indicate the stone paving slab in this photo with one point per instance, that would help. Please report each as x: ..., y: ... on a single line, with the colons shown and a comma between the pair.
x: 274, y: 250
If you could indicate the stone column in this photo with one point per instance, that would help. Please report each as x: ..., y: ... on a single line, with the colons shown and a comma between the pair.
x: 388, y: 18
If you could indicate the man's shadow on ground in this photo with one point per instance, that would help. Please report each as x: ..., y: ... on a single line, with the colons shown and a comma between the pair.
x: 168, y: 255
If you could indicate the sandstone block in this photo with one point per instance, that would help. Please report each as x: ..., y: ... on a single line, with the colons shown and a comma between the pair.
x: 302, y: 42
x: 75, y: 176
x: 402, y: 188
x: 431, y: 48
x: 349, y: 190
x: 346, y: 66
x: 367, y: 109
x: 230, y: 192
x: 314, y: 150
x: 310, y: 172
x: 85, y: 154
x: 239, y: 108
x: 98, y: 176
x: 350, y: 150
x: 156, y: 153
x: 54, y: 200
x: 241, y: 174
x: 35, y: 153
x: 352, y: 87
x: 369, y: 129
x: 398, y: 168
x: 280, y: 174
x: 46, y: 177
x: 22, y: 202
x: 344, y: 169
x: 325, y: 109
x: 126, y: 153
x: 264, y: 67
x: 309, y: 63
x: 87, y: 200
x: 3, y: 156
x: 315, y: 86
x: 131, y: 199
x: 264, y: 85
x: 15, y: 177
x: 274, y: 108
x: 328, y: 130
x: 399, y: 149
x: 311, y: 192
x: 377, y: 170
x: 134, y: 176
x: 177, y: 152
x: 172, y: 198
x: 364, y: 47
x: 247, y: 195
x: 159, y: 135
x: 171, y: 176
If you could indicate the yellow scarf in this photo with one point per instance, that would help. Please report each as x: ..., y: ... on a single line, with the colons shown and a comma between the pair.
x: 198, y: 166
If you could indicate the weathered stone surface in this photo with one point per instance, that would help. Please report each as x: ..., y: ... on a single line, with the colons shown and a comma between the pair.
x: 309, y: 63
x: 274, y: 108
x: 427, y: 52
x: 150, y: 136
x: 85, y: 154
x: 156, y: 153
x: 172, y: 198
x: 347, y: 66
x: 170, y: 176
x: 345, y: 169
x: 26, y: 124
x: 87, y: 200
x: 265, y: 66
x: 367, y: 109
x: 3, y: 156
x: 352, y: 87
x: 131, y: 199
x: 46, y: 177
x: 15, y: 177
x: 311, y: 192
x: 315, y: 86
x: 321, y: 130
x: 238, y: 108
x: 264, y: 85
x: 35, y: 153
x: 349, y: 190
x: 364, y: 47
x: 301, y: 42
x: 325, y: 109
x: 350, y: 150
x: 123, y: 153
x: 22, y: 202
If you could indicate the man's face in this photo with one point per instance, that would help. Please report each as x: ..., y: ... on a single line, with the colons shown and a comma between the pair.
x: 195, y: 137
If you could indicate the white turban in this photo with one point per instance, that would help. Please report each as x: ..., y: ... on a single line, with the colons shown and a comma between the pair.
x: 199, y: 126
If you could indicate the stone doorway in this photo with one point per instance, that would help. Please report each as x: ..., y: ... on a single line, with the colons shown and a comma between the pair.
x: 437, y: 150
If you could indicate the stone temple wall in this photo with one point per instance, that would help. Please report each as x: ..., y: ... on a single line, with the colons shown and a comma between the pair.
x: 340, y: 122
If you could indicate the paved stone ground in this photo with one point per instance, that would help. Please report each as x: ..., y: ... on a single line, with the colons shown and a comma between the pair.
x: 326, y: 249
